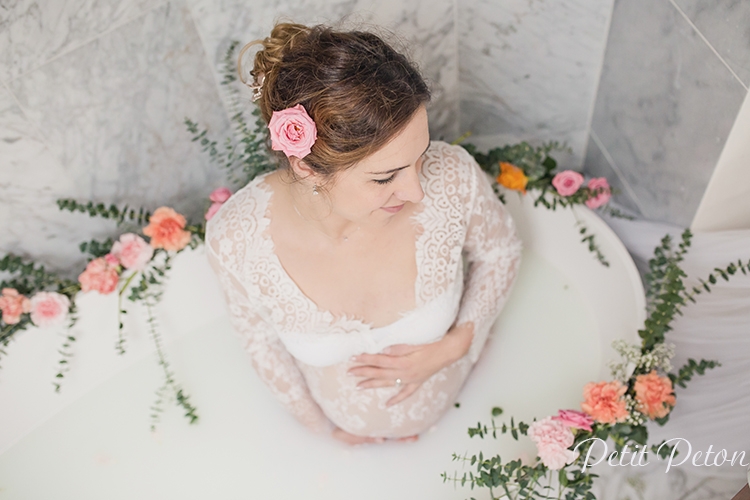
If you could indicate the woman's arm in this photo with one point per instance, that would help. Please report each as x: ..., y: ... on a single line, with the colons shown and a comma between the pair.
x: 274, y: 365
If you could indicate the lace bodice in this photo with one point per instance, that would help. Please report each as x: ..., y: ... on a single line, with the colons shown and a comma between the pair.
x: 302, y: 353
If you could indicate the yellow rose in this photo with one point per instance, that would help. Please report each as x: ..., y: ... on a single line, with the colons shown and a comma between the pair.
x: 512, y: 177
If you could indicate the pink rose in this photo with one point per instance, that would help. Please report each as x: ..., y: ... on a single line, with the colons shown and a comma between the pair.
x: 100, y: 275
x: 132, y: 251
x: 567, y: 182
x: 552, y: 439
x: 292, y: 131
x: 49, y: 309
x: 13, y: 305
x: 603, y: 197
x: 218, y: 196
x: 574, y: 419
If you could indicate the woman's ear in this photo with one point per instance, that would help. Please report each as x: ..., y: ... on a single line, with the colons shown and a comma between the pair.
x: 300, y: 168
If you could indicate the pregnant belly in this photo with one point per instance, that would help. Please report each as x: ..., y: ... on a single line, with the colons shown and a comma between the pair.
x: 364, y: 412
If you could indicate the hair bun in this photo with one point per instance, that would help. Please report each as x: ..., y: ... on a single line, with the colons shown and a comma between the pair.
x: 280, y: 42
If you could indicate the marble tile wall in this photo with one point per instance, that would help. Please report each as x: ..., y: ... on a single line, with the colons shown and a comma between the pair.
x: 669, y: 94
x: 93, y: 96
x: 530, y: 69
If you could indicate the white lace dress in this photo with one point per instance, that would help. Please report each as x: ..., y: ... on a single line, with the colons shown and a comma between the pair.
x: 303, y: 353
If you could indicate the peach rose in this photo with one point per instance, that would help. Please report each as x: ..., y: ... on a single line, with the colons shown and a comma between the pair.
x: 654, y: 395
x: 552, y: 439
x: 574, y: 419
x: 166, y: 229
x: 101, y: 275
x: 132, y: 251
x: 603, y: 197
x: 292, y: 131
x: 567, y: 182
x: 13, y: 305
x: 49, y: 309
x: 604, y: 401
x: 512, y: 177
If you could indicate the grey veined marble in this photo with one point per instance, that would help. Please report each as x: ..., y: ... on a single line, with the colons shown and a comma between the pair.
x: 107, y: 119
x: 664, y: 109
x: 426, y: 29
x: 529, y: 69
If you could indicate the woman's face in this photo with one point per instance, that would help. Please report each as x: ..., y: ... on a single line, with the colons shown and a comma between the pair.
x: 378, y: 187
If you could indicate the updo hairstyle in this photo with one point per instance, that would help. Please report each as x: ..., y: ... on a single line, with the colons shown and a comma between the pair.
x: 359, y: 91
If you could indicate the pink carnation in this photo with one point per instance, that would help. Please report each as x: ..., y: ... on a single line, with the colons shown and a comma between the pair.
x: 552, y: 439
x: 654, y: 394
x: 603, y: 197
x: 292, y: 131
x: 13, y: 305
x: 218, y: 196
x: 49, y: 308
x: 574, y: 419
x: 567, y: 182
x: 132, y: 251
x: 100, y: 275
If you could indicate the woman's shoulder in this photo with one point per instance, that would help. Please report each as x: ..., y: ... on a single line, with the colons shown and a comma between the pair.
x: 242, y: 216
x: 449, y: 170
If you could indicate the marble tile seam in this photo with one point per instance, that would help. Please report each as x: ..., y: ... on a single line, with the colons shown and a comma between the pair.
x: 710, y: 46
x: 619, y: 174
x: 221, y: 93
x: 600, y: 71
x: 87, y: 41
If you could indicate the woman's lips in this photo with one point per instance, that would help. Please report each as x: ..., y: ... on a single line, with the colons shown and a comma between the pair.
x: 395, y: 209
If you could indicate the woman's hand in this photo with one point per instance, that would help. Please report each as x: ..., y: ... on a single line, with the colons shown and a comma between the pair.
x: 353, y: 439
x: 413, y: 364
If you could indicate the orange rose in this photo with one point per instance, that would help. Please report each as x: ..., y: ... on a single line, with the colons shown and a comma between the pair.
x: 166, y: 229
x: 604, y: 402
x: 654, y: 395
x: 512, y: 177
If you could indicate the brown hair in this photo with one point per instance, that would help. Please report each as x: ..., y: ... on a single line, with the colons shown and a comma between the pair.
x: 359, y: 91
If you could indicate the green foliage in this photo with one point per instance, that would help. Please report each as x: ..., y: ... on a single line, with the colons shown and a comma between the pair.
x: 31, y: 278
x: 96, y: 248
x: 538, y: 166
x: 691, y: 368
x: 119, y: 215
x: 246, y: 155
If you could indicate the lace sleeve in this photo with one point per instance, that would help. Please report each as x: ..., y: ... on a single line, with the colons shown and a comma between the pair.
x: 493, y: 251
x: 273, y: 363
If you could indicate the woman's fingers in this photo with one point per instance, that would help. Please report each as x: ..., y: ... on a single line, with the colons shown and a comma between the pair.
x: 407, y: 391
x: 381, y: 360
x: 373, y: 383
x: 408, y: 439
x: 374, y: 372
x: 402, y: 349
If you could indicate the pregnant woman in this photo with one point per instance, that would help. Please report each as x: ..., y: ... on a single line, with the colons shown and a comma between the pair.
x: 344, y: 269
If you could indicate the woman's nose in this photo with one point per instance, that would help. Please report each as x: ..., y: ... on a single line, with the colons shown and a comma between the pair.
x: 410, y: 188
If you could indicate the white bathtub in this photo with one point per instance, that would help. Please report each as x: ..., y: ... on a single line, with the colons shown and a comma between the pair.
x: 92, y: 441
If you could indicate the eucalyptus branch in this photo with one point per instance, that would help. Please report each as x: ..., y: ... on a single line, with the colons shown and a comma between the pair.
x: 120, y: 215
x: 66, y: 350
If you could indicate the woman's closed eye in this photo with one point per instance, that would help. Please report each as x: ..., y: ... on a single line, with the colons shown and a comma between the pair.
x: 385, y: 181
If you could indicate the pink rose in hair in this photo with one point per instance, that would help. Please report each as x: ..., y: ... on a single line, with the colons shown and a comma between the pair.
x: 603, y: 196
x: 100, y: 275
x: 552, y: 439
x: 567, y: 182
x: 218, y: 196
x: 132, y: 251
x: 292, y: 131
x: 49, y: 309
x: 13, y: 305
x: 574, y: 419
